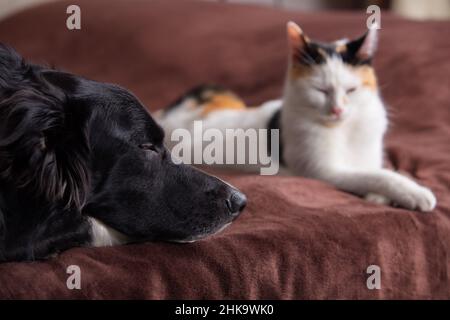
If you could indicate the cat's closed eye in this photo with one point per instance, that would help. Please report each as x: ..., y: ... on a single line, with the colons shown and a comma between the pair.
x: 350, y: 90
x: 325, y: 91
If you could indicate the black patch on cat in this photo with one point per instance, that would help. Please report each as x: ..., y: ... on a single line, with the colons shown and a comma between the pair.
x: 198, y: 94
x: 275, y: 123
x: 316, y: 52
x: 351, y: 56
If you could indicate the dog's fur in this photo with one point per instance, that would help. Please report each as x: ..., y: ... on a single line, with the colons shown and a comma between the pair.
x: 82, y: 163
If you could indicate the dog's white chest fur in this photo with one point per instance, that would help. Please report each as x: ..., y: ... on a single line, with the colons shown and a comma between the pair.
x: 103, y: 236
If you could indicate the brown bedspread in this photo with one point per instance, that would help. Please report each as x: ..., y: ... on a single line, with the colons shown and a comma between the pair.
x: 299, y: 238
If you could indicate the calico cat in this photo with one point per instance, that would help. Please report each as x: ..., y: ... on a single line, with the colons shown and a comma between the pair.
x: 331, y: 118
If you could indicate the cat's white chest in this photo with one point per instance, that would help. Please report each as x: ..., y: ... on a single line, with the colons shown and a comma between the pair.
x: 357, y: 146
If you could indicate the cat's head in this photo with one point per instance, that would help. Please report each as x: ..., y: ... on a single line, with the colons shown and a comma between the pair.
x: 331, y: 79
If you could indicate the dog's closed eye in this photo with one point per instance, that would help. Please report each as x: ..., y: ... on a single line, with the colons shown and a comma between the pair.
x: 148, y: 146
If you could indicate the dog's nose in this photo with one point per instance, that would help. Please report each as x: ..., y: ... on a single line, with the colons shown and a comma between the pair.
x: 236, y: 203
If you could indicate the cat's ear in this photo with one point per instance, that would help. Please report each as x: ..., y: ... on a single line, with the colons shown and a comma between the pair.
x: 363, y: 48
x: 296, y: 38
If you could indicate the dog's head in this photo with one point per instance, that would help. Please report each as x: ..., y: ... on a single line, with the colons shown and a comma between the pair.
x: 90, y: 147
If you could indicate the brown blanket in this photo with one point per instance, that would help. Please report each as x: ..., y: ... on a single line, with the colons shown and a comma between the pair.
x: 299, y: 238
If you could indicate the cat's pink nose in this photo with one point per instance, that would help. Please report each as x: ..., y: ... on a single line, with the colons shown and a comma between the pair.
x: 336, y: 110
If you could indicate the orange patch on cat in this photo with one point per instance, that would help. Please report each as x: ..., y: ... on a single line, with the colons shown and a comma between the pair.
x: 341, y: 48
x: 299, y: 71
x: 367, y: 76
x: 222, y: 102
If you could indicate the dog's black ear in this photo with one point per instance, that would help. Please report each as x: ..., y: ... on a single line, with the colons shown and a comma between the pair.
x: 12, y: 66
x: 43, y: 146
x: 64, y: 82
x: 9, y: 58
x: 2, y: 234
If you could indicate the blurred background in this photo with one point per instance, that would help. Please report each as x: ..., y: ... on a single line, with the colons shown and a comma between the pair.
x: 413, y: 9
x: 416, y: 9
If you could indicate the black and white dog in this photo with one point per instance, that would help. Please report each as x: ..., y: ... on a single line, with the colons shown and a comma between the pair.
x: 82, y: 163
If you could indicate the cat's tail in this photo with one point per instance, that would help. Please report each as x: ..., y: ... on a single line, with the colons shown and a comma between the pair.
x: 207, y: 98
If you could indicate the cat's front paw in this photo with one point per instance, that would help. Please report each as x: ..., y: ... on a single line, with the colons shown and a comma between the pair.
x: 427, y: 201
x: 377, y: 199
x: 418, y: 198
